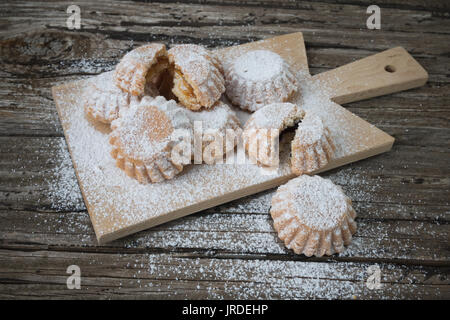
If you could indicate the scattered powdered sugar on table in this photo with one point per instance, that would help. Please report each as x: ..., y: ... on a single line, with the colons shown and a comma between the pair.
x: 234, y: 278
x: 62, y: 183
x: 349, y: 133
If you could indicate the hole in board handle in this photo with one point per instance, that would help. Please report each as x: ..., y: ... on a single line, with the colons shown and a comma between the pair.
x: 389, y: 68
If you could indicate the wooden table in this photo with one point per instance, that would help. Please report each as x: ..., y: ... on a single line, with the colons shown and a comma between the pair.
x: 232, y: 251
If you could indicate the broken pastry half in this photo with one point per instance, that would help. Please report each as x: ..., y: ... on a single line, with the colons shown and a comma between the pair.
x: 258, y: 78
x: 197, y: 76
x: 312, y: 147
x: 142, y: 69
x: 144, y: 136
x: 313, y: 216
x: 103, y: 99
x: 263, y: 128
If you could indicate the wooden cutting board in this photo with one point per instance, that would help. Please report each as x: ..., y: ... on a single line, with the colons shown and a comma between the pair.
x: 119, y: 206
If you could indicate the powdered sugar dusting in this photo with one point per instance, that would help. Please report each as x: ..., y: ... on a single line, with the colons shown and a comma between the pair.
x: 275, y: 116
x: 116, y: 201
x: 257, y: 78
x: 319, y: 203
x: 310, y: 130
x: 248, y: 66
x: 144, y: 130
x: 62, y: 183
x: 221, y: 116
x: 349, y: 133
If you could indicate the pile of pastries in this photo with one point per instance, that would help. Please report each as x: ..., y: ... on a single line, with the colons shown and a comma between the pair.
x: 155, y: 94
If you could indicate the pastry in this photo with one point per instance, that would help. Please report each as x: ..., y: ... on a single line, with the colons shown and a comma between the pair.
x: 216, y: 121
x: 103, y: 100
x: 197, y: 78
x: 258, y: 78
x: 141, y: 68
x: 143, y: 138
x: 263, y: 128
x: 313, y: 216
x: 312, y: 146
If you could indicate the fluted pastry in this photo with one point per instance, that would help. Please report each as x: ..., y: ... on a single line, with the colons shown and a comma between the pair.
x: 313, y: 216
x: 144, y: 135
x: 197, y: 76
x: 312, y: 147
x: 215, y: 122
x: 258, y: 78
x: 103, y: 100
x: 262, y: 130
x: 141, y: 69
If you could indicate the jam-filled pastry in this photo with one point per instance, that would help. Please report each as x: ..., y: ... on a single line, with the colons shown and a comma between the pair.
x: 144, y: 136
x: 313, y: 216
x: 103, y: 100
x: 197, y: 76
x: 142, y: 69
x: 216, y: 123
x: 258, y: 78
x: 263, y: 128
x: 312, y: 147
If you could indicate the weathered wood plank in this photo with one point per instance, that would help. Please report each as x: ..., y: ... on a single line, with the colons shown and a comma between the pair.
x: 230, y: 251
x: 43, y: 274
x: 36, y: 172
x: 31, y: 167
x: 210, y: 13
x: 37, y: 176
x: 94, y: 50
x: 412, y: 116
x: 421, y: 5
x: 227, y: 234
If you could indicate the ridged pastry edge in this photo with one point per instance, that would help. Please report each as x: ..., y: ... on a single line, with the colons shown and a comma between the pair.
x: 240, y: 92
x: 303, y: 240
x: 309, y: 158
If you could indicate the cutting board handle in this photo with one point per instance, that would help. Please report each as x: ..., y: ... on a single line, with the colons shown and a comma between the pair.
x: 389, y: 71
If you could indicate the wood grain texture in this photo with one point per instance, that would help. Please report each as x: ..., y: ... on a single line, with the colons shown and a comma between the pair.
x: 401, y: 197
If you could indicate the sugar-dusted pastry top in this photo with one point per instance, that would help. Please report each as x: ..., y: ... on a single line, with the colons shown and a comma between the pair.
x: 259, y: 65
x: 310, y: 130
x: 258, y: 78
x: 220, y: 117
x: 313, y: 216
x: 217, y: 121
x: 198, y: 79
x: 312, y: 146
x: 145, y: 130
x: 275, y: 116
x: 143, y: 138
x: 139, y: 67
x: 263, y: 128
x: 103, y: 100
x: 317, y: 203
